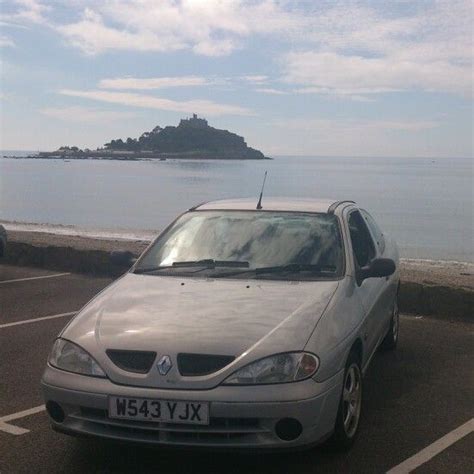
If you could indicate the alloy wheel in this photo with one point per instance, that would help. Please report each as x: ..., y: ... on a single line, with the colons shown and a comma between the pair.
x: 352, y: 399
x: 395, y: 321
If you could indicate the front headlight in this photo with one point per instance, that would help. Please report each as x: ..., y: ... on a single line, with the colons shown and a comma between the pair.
x: 70, y: 357
x: 279, y: 368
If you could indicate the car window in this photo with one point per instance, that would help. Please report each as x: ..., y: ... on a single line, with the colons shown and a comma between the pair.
x: 262, y: 239
x: 362, y: 243
x: 375, y: 229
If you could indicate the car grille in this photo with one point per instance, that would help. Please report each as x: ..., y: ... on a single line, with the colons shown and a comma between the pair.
x: 192, y: 365
x: 219, y: 431
x: 132, y: 361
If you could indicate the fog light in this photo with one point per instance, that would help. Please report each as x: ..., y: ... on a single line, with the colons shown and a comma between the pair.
x: 288, y: 429
x: 55, y: 411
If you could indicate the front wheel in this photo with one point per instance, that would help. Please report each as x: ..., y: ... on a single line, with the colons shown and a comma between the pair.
x: 350, y: 405
x: 390, y: 341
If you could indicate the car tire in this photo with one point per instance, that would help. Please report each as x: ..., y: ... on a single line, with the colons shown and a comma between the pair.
x: 390, y: 340
x: 350, y: 405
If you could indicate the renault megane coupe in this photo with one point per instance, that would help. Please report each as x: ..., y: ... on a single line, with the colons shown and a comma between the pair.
x: 241, y: 326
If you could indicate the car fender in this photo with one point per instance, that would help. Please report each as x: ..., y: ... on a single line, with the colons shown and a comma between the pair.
x: 341, y: 325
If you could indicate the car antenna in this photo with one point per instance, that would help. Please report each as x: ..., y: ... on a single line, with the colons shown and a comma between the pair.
x: 259, y: 204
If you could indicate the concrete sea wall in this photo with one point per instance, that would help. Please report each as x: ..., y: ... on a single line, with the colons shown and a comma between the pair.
x: 421, y: 292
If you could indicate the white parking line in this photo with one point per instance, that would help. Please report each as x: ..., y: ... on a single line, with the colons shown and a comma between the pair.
x: 34, y: 278
x: 15, y: 430
x: 433, y: 449
x: 34, y: 320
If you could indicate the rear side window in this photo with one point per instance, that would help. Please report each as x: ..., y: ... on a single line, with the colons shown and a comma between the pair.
x: 375, y: 229
x: 362, y: 243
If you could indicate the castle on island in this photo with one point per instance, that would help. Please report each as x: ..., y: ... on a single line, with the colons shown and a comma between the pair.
x: 194, y: 122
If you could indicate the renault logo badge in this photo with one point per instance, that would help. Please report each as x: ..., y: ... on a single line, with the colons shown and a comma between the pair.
x: 164, y: 365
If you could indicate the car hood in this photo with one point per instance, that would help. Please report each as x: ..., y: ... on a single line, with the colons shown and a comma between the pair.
x: 245, y: 319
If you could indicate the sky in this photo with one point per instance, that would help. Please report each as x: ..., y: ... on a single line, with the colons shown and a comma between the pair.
x: 324, y: 78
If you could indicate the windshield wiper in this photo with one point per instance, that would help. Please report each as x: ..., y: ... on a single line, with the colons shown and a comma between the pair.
x: 293, y: 268
x: 211, y: 263
x: 288, y: 268
x: 207, y: 263
x: 152, y: 269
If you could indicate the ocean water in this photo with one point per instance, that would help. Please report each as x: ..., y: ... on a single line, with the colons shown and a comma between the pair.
x: 425, y: 204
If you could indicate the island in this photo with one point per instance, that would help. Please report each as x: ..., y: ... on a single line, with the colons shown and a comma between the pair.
x: 193, y: 138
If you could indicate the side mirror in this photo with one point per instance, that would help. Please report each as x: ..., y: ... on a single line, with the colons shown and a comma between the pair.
x: 380, y: 267
x: 122, y: 259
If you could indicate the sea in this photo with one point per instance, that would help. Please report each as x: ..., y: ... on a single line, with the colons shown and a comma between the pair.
x: 426, y: 204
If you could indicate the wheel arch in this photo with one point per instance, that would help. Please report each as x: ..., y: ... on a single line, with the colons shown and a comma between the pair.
x: 358, y: 348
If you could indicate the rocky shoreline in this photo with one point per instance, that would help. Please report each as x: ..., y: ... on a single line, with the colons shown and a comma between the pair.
x: 434, y: 288
x: 141, y: 156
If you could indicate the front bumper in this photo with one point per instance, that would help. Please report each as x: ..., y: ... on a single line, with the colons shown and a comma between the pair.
x: 240, y: 417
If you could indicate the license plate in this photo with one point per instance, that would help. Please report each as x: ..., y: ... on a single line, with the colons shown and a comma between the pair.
x: 166, y: 411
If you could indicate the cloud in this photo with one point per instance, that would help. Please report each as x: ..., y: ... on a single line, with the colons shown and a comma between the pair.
x: 346, y: 49
x: 92, y: 36
x: 211, y: 47
x: 207, y: 27
x: 354, y: 50
x: 29, y: 11
x: 203, y: 107
x: 85, y: 114
x: 5, y: 41
x: 343, y: 126
x: 136, y: 83
x: 255, y: 79
x: 152, y: 82
x: 341, y: 48
x: 332, y: 73
x: 270, y: 90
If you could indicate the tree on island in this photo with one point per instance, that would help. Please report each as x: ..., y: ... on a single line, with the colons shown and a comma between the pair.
x: 69, y: 148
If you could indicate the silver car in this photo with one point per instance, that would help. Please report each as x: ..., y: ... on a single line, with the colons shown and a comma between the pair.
x: 238, y: 328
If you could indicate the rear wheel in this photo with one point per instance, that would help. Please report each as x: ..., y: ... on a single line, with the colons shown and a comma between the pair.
x: 350, y: 405
x: 390, y: 341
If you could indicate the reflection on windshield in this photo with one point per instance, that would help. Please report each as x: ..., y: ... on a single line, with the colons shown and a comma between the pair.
x: 263, y: 239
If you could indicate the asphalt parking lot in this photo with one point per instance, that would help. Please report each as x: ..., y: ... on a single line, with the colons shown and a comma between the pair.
x: 418, y: 401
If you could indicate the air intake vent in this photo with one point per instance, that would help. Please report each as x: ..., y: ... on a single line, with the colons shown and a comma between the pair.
x: 202, y: 364
x: 132, y: 361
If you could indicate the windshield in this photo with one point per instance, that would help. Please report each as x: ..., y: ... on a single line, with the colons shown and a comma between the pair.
x: 229, y: 243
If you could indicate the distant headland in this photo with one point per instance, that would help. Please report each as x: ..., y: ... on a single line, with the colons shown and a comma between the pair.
x: 193, y: 138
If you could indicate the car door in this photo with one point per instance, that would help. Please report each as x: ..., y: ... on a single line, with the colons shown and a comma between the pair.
x: 387, y: 295
x: 370, y: 290
x: 375, y: 230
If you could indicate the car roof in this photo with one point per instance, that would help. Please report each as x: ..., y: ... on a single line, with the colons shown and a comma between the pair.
x: 272, y: 204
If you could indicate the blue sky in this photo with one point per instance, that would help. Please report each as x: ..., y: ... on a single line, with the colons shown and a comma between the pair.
x: 362, y: 78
